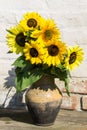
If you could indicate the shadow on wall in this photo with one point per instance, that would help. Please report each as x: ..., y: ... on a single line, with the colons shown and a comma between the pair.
x: 10, y: 80
x: 12, y: 100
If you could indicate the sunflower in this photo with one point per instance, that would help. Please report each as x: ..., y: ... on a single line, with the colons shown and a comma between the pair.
x: 54, y: 53
x: 33, y: 52
x: 16, y: 39
x: 75, y: 57
x: 31, y: 21
x: 48, y: 31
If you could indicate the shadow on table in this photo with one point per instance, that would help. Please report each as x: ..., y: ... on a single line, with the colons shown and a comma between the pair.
x: 20, y: 116
x: 13, y: 109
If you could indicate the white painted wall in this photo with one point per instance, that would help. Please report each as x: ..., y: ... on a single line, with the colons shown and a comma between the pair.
x: 71, y: 17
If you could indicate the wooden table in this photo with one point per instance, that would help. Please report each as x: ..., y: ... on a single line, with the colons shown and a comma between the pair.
x: 21, y: 120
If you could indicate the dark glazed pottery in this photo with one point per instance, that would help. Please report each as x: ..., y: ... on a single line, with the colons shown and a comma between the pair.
x: 43, y: 100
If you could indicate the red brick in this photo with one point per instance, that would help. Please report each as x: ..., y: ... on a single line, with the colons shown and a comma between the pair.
x: 84, y: 102
x: 76, y: 85
x: 72, y: 102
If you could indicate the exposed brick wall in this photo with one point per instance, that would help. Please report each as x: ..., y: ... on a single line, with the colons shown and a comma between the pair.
x: 71, y: 17
x: 78, y: 94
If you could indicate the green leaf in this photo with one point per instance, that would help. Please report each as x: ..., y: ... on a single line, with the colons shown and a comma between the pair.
x: 23, y: 82
x: 10, y: 31
x: 10, y: 51
x: 25, y: 77
x: 60, y: 73
x: 63, y: 74
x: 67, y: 86
x: 29, y: 37
x: 19, y: 62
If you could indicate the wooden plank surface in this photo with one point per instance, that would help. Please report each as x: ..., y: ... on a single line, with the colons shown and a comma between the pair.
x: 21, y: 120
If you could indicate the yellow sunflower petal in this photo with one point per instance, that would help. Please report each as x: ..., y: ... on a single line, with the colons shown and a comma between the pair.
x: 31, y: 20
x: 54, y: 53
x: 75, y: 57
x: 16, y: 39
x: 33, y: 52
x: 48, y: 31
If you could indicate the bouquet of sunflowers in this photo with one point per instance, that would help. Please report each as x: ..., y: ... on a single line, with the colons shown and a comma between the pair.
x: 42, y: 51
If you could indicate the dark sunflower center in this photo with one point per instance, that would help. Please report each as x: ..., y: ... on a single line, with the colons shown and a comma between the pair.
x: 53, y: 50
x: 32, y: 23
x: 72, y: 58
x: 33, y: 52
x: 20, y: 39
x: 48, y: 34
